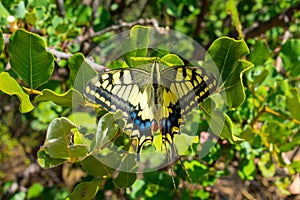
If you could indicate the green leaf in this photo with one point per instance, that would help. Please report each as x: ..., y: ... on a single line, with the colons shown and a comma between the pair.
x: 290, y: 54
x: 225, y: 53
x: 80, y: 71
x: 282, y: 184
x: 172, y: 8
x: 201, y: 194
x: 258, y: 75
x: 69, y: 98
x: 140, y: 61
x: 83, y: 14
x: 266, y: 165
x: 247, y: 169
x: 136, y: 45
x: 129, y: 164
x: 294, y: 167
x: 10, y: 86
x: 31, y: 17
x: 219, y: 122
x: 4, y: 12
x: 260, y: 53
x: 19, y: 10
x: 276, y: 132
x: 1, y: 42
x: 29, y: 58
x: 95, y: 168
x: 83, y: 119
x: 106, y: 131
x: 292, y: 144
x: 171, y: 60
x: 34, y: 191
x: 138, y: 189
x: 86, y: 190
x: 234, y: 88
x: 46, y: 161
x: 125, y: 179
x: 293, y: 103
x: 59, y: 144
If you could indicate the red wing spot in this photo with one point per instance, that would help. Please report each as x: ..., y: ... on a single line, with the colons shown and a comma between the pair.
x: 154, y: 126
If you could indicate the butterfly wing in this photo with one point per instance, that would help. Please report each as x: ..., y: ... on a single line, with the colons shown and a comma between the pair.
x: 184, y: 88
x: 125, y: 90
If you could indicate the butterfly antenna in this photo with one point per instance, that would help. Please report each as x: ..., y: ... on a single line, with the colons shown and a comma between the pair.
x: 171, y: 167
x: 186, y: 172
x: 173, y: 175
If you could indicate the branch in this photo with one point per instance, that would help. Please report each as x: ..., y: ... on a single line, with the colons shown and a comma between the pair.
x: 66, y: 56
x: 200, y: 17
x: 122, y: 24
x: 61, y: 7
x: 280, y: 19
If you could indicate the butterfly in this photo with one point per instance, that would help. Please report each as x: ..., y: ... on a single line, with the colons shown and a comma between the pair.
x: 152, y: 101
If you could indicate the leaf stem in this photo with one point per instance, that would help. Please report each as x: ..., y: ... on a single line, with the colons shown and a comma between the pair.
x: 92, y: 105
x: 32, y: 91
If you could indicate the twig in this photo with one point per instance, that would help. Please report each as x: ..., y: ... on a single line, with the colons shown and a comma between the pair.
x: 59, y: 54
x: 280, y: 19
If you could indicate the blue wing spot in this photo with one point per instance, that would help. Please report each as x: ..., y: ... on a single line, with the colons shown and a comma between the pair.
x: 137, y: 122
x: 133, y: 115
x: 148, y: 124
x: 168, y: 123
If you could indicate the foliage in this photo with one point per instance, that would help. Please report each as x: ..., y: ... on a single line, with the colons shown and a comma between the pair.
x: 261, y: 90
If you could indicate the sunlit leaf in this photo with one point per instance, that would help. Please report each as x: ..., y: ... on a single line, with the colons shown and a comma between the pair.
x: 247, y: 169
x: 71, y: 97
x: 137, y: 44
x: 266, y: 165
x: 171, y: 60
x: 46, y: 161
x: 34, y: 190
x: 10, y: 86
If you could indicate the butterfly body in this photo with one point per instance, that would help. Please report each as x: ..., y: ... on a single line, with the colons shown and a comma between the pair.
x: 152, y: 101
